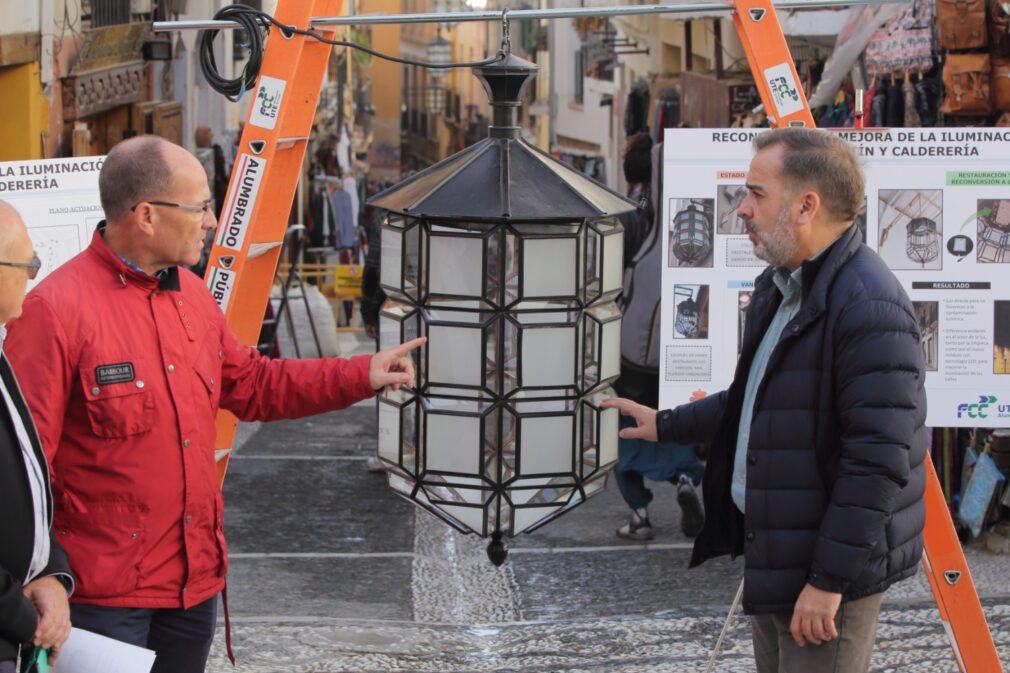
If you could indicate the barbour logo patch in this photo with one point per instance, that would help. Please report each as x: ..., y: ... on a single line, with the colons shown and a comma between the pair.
x: 118, y: 373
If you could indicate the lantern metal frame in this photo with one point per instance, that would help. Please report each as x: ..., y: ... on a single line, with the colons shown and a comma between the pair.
x: 550, y: 268
x: 691, y: 235
x: 923, y: 242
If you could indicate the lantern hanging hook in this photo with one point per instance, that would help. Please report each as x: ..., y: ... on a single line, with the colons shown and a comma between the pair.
x: 506, y: 37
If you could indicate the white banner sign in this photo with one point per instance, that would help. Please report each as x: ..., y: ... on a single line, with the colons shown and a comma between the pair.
x: 58, y: 200
x: 937, y: 212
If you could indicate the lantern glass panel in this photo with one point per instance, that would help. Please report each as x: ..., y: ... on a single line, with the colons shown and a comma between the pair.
x: 613, y: 261
x: 391, y: 267
x: 494, y: 267
x: 610, y: 352
x: 471, y: 517
x: 548, y: 356
x: 549, y: 267
x: 527, y: 517
x: 545, y: 445
x: 452, y: 443
x: 398, y: 428
x: 509, y: 434
x: 411, y: 260
x: 455, y: 265
x: 455, y: 355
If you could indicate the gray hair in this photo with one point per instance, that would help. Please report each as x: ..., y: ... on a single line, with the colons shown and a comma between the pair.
x: 821, y: 161
x: 134, y: 170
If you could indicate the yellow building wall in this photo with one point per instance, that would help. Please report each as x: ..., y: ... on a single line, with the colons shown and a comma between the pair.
x: 26, y: 113
x: 384, y: 156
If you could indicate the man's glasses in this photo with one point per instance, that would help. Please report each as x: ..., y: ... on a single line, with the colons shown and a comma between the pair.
x: 32, y: 266
x: 206, y: 207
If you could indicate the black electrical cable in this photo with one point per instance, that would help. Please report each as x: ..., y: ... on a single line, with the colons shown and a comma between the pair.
x: 233, y: 88
x: 253, y: 21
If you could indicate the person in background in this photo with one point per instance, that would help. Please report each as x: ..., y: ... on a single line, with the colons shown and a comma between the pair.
x: 131, y: 358
x: 35, y: 579
x: 638, y: 458
x: 816, y: 471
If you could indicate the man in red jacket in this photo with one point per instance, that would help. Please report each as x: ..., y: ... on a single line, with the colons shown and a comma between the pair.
x: 125, y: 359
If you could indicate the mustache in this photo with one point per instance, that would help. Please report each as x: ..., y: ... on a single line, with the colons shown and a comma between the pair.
x: 748, y: 224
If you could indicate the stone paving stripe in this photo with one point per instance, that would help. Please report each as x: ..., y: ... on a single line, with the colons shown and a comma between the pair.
x: 298, y: 457
x: 324, y: 555
x: 453, y: 582
x: 609, y: 548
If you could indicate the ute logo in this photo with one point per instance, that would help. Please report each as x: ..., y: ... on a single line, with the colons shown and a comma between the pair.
x: 986, y: 407
x: 267, y: 105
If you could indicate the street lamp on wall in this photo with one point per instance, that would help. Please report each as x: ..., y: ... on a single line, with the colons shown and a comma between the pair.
x: 510, y: 263
x: 692, y: 235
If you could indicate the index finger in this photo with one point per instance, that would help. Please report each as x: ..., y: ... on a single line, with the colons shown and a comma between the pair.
x: 408, y: 346
x: 624, y: 405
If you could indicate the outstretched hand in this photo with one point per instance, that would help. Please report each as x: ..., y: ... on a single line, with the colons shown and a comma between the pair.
x: 393, y: 366
x: 645, y: 418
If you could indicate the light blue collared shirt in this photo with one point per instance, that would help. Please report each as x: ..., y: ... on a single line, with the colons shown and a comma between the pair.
x: 791, y: 287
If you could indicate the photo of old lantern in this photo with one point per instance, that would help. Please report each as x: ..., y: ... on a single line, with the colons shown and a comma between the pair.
x: 923, y: 244
x: 691, y: 235
x: 509, y: 262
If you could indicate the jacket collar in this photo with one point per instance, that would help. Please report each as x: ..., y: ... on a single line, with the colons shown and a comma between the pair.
x: 167, y: 281
x: 818, y: 273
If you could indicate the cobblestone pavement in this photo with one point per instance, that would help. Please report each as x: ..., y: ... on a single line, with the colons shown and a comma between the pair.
x: 331, y: 572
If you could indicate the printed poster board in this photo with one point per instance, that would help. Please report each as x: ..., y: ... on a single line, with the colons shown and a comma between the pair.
x: 58, y: 200
x: 937, y: 211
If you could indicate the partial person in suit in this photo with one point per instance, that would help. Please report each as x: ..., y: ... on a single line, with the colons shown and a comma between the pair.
x: 35, y: 578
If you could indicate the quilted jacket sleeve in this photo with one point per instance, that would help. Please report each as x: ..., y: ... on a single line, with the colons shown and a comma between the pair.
x: 880, y: 400
x: 692, y: 423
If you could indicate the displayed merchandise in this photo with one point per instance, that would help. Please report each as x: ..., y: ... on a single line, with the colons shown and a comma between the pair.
x: 966, y: 79
x: 961, y: 23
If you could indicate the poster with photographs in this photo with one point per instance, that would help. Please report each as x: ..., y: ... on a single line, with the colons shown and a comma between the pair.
x: 937, y: 211
x: 58, y: 201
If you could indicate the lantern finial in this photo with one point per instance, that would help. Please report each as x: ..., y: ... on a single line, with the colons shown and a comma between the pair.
x: 504, y: 83
x: 496, y: 549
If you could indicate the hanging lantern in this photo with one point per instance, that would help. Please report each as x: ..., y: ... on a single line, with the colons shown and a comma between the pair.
x: 688, y: 320
x: 923, y: 245
x: 692, y: 235
x: 510, y: 263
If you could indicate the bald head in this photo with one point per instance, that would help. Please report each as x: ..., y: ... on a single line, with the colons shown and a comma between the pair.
x: 15, y: 247
x: 139, y: 169
x: 12, y: 229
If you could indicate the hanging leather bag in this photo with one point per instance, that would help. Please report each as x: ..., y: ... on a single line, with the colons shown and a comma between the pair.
x: 1001, y: 84
x: 966, y: 80
x: 961, y: 23
x: 999, y: 28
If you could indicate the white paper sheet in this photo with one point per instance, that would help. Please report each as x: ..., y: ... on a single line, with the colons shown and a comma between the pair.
x: 87, y: 652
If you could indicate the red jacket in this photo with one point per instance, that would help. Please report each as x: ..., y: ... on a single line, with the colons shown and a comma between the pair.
x: 124, y: 375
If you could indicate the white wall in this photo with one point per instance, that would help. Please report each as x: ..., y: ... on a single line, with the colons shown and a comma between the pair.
x: 20, y: 16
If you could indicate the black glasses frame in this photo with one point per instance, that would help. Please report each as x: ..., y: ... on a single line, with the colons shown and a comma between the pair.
x: 206, y: 207
x: 32, y: 266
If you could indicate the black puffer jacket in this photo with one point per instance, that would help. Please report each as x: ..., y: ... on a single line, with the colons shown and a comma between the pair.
x: 835, y: 464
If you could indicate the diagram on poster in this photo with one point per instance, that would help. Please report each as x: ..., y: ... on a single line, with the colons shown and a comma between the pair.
x: 58, y: 200
x: 937, y: 211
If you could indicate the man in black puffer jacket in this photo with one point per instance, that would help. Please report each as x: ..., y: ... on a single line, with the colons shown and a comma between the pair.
x: 816, y: 470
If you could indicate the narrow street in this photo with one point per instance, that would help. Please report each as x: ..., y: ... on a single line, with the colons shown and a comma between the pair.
x: 332, y: 572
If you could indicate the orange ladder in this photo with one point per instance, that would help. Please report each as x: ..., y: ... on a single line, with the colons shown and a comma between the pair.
x: 265, y: 175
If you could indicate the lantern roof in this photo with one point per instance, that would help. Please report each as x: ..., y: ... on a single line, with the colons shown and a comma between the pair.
x: 502, y: 177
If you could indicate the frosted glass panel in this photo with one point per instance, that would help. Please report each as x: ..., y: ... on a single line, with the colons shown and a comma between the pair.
x: 391, y: 259
x: 456, y: 265
x: 453, y: 444
x: 454, y: 355
x: 548, y: 356
x: 527, y: 516
x: 545, y: 445
x: 389, y: 432
x: 389, y: 332
x: 608, y: 436
x: 613, y: 261
x: 471, y: 517
x: 610, y: 357
x: 549, y: 267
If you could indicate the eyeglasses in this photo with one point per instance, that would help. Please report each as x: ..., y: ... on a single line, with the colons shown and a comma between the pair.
x: 207, y: 207
x: 32, y: 266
